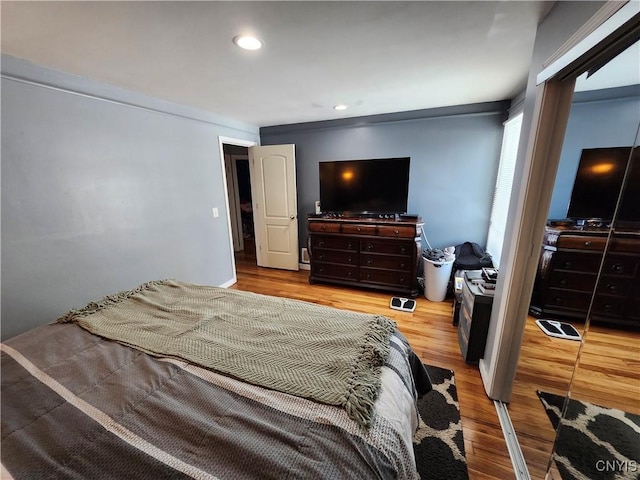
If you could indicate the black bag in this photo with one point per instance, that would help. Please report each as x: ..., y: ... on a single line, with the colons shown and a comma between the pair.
x: 471, y: 256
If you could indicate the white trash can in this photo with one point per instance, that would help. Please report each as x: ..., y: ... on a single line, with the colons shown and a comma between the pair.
x: 436, y: 278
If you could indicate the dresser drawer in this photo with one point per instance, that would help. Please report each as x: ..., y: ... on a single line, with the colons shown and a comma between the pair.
x: 397, y: 231
x: 463, y: 340
x: 608, y: 305
x: 334, y: 243
x: 623, y: 265
x: 568, y: 299
x: 627, y: 245
x: 332, y: 270
x: 359, y: 229
x: 633, y: 308
x: 390, y: 277
x: 577, y: 261
x: 465, y: 320
x: 389, y: 248
x: 573, y: 280
x: 328, y: 227
x: 615, y: 285
x: 581, y: 242
x: 335, y: 256
x: 384, y: 261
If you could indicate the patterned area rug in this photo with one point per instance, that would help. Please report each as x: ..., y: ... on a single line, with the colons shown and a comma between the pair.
x: 594, y: 442
x: 438, y: 444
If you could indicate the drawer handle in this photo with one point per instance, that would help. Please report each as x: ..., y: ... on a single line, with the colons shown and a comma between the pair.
x: 567, y: 264
x: 321, y: 243
x: 321, y: 257
x: 350, y: 260
x: 396, y: 232
x: 557, y: 299
x: 403, y: 249
x: 324, y: 227
x: 359, y: 229
x: 563, y: 282
x: 321, y: 270
x: 587, y: 243
x: 618, y: 268
x: 369, y: 247
x: 369, y: 261
x: 606, y: 306
x: 402, y: 265
x: 612, y: 286
x: 349, y: 274
x: 401, y: 279
x: 368, y: 276
x: 349, y: 245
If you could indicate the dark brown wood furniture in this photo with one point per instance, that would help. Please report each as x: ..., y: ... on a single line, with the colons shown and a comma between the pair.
x: 473, y: 318
x: 568, y: 272
x: 376, y: 253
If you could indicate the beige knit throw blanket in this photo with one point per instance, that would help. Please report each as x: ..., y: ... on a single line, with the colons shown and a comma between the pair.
x: 321, y: 353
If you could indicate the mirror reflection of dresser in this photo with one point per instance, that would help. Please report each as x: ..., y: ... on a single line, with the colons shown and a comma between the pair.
x: 570, y: 260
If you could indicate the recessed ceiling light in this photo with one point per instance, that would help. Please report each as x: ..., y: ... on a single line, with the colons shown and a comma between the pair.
x: 340, y: 107
x: 248, y: 42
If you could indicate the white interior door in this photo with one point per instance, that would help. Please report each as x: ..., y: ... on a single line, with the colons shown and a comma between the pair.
x: 275, y: 205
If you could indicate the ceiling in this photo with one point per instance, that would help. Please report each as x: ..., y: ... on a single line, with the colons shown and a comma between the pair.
x: 376, y: 57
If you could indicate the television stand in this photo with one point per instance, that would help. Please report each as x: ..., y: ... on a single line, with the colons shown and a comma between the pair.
x: 376, y: 253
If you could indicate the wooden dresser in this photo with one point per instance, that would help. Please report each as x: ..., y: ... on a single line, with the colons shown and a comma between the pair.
x: 568, y: 272
x: 382, y: 254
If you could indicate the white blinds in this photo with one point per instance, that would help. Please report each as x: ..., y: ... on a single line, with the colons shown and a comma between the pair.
x: 502, y: 193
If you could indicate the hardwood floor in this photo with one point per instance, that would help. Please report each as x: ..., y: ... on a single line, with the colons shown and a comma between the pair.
x: 432, y: 336
x: 607, y: 375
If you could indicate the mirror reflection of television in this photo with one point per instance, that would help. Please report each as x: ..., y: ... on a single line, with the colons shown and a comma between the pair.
x: 598, y: 183
x: 377, y: 186
x: 628, y: 214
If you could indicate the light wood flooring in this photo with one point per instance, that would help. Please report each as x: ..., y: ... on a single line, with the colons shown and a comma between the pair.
x: 608, y: 374
x: 610, y: 359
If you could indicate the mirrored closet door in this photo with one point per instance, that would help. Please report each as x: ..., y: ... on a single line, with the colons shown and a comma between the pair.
x: 582, y: 336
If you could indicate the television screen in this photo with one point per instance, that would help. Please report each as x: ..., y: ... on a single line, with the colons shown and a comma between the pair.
x: 598, y: 183
x: 629, y: 208
x: 365, y: 186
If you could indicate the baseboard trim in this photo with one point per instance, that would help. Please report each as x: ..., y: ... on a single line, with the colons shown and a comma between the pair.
x: 515, y: 452
x: 227, y: 284
x: 304, y: 266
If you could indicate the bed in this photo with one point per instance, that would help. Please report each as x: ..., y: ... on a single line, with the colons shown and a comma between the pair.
x: 176, y: 380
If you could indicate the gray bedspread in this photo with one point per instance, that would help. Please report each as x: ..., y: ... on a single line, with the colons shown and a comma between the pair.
x: 75, y: 405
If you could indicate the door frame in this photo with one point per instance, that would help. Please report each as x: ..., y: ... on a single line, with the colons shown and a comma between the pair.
x: 239, y: 143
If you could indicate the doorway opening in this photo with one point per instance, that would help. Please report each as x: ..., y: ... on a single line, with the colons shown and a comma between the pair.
x: 236, y: 162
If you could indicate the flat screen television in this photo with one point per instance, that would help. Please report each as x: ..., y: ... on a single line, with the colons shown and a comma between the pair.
x: 628, y: 213
x: 377, y: 186
x: 598, y: 183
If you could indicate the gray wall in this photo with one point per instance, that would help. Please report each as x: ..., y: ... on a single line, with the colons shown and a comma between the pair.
x: 454, y: 160
x: 592, y: 124
x: 100, y: 196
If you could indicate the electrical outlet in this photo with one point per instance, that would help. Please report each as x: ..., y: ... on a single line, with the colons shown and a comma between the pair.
x: 215, y: 212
